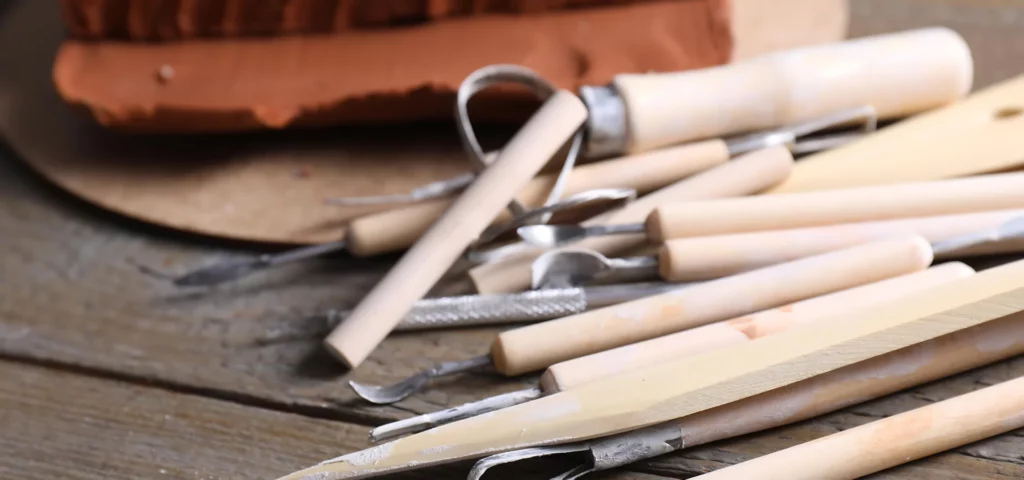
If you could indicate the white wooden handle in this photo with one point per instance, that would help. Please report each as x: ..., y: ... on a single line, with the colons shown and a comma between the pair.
x: 702, y: 258
x: 420, y: 268
x: 541, y: 345
x: 899, y: 74
x: 891, y: 441
x: 583, y: 370
x: 830, y: 207
x: 397, y: 229
x: 745, y: 175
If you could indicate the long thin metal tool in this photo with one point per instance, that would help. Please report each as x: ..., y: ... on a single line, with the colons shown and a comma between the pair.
x: 222, y: 272
x: 523, y: 307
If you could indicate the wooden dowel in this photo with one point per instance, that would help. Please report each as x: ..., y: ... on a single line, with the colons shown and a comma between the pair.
x: 420, y: 268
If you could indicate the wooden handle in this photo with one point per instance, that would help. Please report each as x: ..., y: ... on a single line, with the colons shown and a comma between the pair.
x: 745, y: 175
x: 702, y: 258
x: 978, y: 135
x: 892, y: 441
x: 583, y: 370
x: 538, y: 346
x: 682, y: 388
x: 397, y: 229
x: 861, y: 382
x: 899, y: 74
x: 796, y: 210
x: 420, y: 268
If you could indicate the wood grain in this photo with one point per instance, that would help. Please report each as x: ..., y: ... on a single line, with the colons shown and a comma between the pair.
x: 72, y: 296
x: 60, y: 424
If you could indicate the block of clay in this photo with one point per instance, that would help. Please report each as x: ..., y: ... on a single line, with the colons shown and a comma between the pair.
x: 181, y: 19
x: 378, y: 75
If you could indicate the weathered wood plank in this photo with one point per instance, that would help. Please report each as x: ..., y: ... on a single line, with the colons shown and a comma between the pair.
x: 70, y: 294
x: 59, y: 424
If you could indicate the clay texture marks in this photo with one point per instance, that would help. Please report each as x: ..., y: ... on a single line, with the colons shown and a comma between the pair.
x: 405, y: 74
x: 182, y: 19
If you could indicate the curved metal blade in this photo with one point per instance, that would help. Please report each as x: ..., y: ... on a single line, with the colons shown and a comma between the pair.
x: 492, y: 461
x: 383, y: 395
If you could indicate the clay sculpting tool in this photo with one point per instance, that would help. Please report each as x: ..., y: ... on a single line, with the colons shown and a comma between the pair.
x: 851, y: 385
x: 899, y: 74
x: 537, y: 142
x: 524, y: 307
x: 1002, y: 232
x: 892, y: 441
x: 676, y: 389
x: 580, y: 371
x: 541, y: 345
x: 396, y: 229
x: 700, y: 258
x: 746, y: 175
x: 805, y: 209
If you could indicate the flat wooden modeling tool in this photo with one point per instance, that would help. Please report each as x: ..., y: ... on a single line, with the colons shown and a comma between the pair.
x: 979, y: 134
x: 672, y: 390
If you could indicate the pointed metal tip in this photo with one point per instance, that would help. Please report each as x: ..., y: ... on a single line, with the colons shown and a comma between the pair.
x: 484, y: 464
x: 577, y: 472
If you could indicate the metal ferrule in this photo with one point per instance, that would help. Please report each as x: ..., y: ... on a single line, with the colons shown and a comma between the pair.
x: 606, y: 130
x: 630, y: 447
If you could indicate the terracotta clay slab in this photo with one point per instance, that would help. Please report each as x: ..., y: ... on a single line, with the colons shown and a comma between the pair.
x: 383, y: 75
x: 265, y: 188
x: 176, y: 19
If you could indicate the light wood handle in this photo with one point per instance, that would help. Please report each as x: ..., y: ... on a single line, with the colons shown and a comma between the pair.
x: 702, y: 258
x: 397, y: 229
x: 420, y: 268
x: 541, y: 345
x: 745, y: 175
x: 861, y: 382
x: 899, y: 74
x: 892, y: 441
x: 831, y: 207
x: 583, y: 370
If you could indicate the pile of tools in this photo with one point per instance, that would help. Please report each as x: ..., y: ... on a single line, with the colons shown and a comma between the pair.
x: 685, y: 280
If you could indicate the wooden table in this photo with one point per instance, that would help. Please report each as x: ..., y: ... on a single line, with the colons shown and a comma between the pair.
x: 109, y: 373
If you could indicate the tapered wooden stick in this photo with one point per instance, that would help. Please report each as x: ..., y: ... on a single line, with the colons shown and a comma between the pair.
x: 420, y: 268
x: 892, y: 441
x: 677, y: 389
